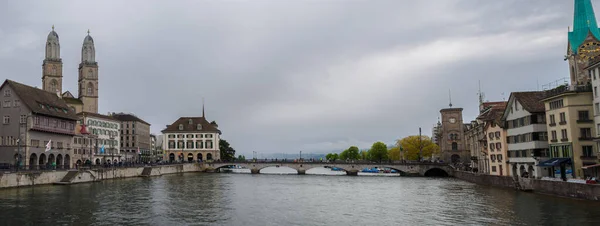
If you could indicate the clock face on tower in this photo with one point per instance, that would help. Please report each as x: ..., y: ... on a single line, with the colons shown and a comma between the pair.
x: 589, y: 50
x: 452, y: 120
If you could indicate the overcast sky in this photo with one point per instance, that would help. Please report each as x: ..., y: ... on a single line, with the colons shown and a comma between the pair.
x: 289, y: 76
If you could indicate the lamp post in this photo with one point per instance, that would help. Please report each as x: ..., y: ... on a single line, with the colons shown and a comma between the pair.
x: 112, y: 148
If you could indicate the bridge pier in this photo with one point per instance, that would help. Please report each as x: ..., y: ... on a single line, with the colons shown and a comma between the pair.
x: 254, y: 171
x: 301, y: 171
x: 352, y: 172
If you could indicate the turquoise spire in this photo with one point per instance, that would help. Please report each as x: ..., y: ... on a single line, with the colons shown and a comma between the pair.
x: 584, y: 22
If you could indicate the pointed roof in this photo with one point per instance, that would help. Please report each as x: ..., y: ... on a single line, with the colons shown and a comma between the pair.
x: 40, y: 101
x: 584, y: 23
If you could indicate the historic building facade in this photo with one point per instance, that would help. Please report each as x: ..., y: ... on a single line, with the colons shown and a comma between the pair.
x: 452, y: 137
x: 495, y: 145
x: 527, y: 137
x: 52, y: 74
x: 37, y: 127
x: 571, y: 128
x: 105, y: 131
x: 190, y: 139
x: 135, y: 136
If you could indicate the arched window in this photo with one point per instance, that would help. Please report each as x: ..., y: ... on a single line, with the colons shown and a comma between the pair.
x: 190, y: 121
x: 180, y: 127
x: 199, y: 127
x: 454, y: 146
x: 54, y: 69
x: 90, y: 89
x: 90, y: 73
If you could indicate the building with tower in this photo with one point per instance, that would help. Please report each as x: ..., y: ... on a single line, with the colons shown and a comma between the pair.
x: 452, y: 136
x: 52, y: 74
x: 52, y: 65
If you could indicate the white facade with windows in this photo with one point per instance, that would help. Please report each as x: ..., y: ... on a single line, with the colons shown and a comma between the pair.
x: 191, y: 139
x: 106, y: 134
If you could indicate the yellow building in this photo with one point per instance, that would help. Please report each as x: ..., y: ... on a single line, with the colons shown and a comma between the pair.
x: 495, y: 136
x: 570, y: 125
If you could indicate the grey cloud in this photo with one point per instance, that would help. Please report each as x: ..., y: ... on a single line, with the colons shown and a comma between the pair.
x: 262, y: 65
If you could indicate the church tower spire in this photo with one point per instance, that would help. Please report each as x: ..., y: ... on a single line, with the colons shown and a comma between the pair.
x: 88, y: 75
x: 52, y: 64
x: 583, y: 41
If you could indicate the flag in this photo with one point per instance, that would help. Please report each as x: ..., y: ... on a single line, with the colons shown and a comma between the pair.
x: 139, y: 150
x: 102, y: 149
x: 48, y: 146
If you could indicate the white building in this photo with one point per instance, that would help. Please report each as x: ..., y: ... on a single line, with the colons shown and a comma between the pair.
x: 191, y: 139
x: 106, y: 133
x: 525, y: 119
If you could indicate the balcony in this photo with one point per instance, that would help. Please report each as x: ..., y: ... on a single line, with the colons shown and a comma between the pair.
x: 554, y: 140
x: 562, y: 123
x: 582, y: 121
x: 564, y: 140
x: 586, y: 138
x: 552, y: 124
x: 588, y: 157
x: 568, y: 89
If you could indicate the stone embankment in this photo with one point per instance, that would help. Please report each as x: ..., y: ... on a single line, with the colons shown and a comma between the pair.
x: 20, y: 179
x: 557, y: 188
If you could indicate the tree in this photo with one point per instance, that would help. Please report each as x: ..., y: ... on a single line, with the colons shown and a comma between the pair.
x: 394, y: 153
x: 364, y: 155
x: 378, y: 151
x: 332, y: 156
x: 344, y: 155
x: 227, y: 152
x: 353, y: 153
x: 241, y: 158
x: 410, y: 147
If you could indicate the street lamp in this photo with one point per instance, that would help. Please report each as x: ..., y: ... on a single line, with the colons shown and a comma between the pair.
x: 112, y: 147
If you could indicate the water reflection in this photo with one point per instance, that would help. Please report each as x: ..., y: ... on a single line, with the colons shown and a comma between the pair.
x: 244, y: 199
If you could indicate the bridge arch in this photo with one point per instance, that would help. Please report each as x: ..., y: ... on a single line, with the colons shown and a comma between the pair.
x: 436, y: 172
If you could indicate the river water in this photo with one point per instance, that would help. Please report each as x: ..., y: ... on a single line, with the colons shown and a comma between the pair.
x: 245, y: 199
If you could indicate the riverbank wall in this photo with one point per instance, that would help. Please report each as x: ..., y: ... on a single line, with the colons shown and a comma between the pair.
x: 21, y: 179
x: 556, y: 188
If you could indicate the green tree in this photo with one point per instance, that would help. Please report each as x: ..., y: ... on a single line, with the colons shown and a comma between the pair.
x: 227, y: 152
x: 353, y: 153
x: 241, y: 158
x: 378, y: 151
x: 344, y: 155
x: 394, y: 153
x: 332, y: 156
x: 364, y: 155
x: 410, y: 147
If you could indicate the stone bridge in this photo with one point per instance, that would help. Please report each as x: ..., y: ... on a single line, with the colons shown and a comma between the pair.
x: 351, y: 168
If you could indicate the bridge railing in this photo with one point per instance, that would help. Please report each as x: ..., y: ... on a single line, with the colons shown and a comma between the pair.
x: 295, y: 161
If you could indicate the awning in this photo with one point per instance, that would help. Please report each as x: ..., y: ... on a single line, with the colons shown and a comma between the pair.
x: 590, y: 166
x: 555, y: 162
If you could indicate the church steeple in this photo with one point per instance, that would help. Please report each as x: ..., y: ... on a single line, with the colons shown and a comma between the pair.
x: 52, y: 65
x: 584, y: 23
x: 88, y: 75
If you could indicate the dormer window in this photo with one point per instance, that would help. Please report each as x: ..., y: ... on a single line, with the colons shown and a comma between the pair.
x: 199, y: 127
x: 180, y: 127
x: 190, y: 121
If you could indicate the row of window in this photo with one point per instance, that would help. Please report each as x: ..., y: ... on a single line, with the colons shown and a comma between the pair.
x: 525, y: 121
x: 495, y: 146
x: 584, y: 133
x: 492, y: 135
x: 556, y: 104
x: 8, y: 103
x: 198, y: 126
x: 52, y: 108
x: 527, y: 137
x: 110, y: 125
x: 7, y: 92
x: 190, y: 145
x: 205, y: 135
x: 104, y: 132
x: 529, y: 153
x: 564, y: 151
x: 497, y: 157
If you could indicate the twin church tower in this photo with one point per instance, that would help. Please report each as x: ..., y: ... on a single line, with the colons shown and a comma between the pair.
x: 52, y: 76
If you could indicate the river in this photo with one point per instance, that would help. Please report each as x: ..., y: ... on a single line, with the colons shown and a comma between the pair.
x: 244, y: 199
